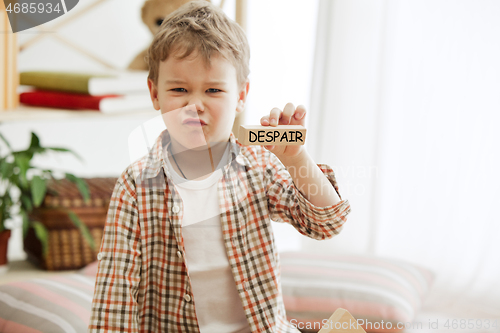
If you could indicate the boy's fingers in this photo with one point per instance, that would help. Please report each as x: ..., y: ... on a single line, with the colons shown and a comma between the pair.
x: 264, y: 121
x: 274, y: 116
x: 299, y: 116
x: 287, y: 114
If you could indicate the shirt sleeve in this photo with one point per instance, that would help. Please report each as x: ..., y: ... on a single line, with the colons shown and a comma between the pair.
x: 114, y: 305
x: 287, y: 204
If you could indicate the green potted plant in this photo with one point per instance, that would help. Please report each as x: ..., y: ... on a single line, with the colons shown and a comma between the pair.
x: 5, y: 208
x: 24, y: 186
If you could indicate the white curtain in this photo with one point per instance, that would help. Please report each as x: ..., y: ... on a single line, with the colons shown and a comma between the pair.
x: 405, y: 105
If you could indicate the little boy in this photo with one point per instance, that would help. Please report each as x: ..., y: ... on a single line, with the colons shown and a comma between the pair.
x: 188, y: 244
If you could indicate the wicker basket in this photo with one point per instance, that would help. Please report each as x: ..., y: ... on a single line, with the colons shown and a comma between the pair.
x: 67, y: 247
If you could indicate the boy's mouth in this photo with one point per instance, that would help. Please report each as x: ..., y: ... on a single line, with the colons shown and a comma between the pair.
x: 194, y: 122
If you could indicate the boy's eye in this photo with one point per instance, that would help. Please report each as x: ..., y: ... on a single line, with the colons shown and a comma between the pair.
x: 213, y: 90
x: 179, y: 90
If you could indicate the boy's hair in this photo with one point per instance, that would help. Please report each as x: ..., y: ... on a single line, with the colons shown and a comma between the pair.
x: 202, y: 27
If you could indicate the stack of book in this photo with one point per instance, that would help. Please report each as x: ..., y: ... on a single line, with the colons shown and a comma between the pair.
x: 107, y: 93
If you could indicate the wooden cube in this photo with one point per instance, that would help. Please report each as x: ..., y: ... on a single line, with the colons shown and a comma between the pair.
x: 341, y: 321
x: 281, y: 135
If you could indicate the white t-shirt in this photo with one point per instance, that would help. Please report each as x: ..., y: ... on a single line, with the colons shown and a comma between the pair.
x: 218, y: 306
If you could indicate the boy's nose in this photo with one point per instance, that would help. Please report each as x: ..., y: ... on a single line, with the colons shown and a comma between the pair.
x: 194, y: 100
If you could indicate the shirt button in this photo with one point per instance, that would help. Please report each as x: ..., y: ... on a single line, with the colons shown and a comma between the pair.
x: 99, y: 256
x: 179, y: 254
x: 247, y: 285
x: 187, y: 298
x: 176, y: 209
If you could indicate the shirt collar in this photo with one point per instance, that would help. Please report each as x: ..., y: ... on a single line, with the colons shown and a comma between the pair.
x: 154, y: 159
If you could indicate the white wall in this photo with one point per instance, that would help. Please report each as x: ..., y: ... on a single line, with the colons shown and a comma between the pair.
x: 281, y: 35
x: 412, y: 87
x: 345, y: 106
x: 438, y: 191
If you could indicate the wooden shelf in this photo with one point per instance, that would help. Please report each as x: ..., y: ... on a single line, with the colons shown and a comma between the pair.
x: 24, y: 113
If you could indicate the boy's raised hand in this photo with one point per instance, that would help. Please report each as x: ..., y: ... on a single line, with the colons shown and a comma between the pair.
x: 289, y: 116
x: 295, y: 158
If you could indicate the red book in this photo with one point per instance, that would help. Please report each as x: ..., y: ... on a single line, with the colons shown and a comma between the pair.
x: 76, y: 101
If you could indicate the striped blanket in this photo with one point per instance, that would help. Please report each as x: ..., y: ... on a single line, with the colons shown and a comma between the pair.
x: 56, y: 304
x: 314, y: 286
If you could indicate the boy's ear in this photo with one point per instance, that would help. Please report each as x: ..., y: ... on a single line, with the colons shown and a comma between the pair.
x: 242, y: 96
x: 153, y: 91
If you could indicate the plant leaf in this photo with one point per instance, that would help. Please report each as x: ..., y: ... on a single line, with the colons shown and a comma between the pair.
x: 22, y: 160
x: 81, y: 184
x: 83, y: 229
x: 35, y: 141
x: 35, y: 144
x: 42, y: 234
x: 26, y: 223
x: 53, y: 179
x: 26, y: 201
x: 36, y: 148
x: 66, y: 151
x: 5, y: 207
x: 5, y: 141
x: 6, y: 168
x: 38, y: 190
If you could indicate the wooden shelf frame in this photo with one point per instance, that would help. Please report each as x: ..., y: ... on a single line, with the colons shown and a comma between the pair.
x: 25, y: 113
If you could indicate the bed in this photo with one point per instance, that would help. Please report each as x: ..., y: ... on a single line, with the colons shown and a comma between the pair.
x: 314, y: 286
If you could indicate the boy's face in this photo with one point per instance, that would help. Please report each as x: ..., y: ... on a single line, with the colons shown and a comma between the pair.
x: 212, y: 94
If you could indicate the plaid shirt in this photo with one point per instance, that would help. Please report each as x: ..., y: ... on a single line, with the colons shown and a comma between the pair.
x: 142, y: 281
